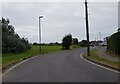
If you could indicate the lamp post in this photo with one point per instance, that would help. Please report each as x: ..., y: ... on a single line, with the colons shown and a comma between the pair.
x: 100, y: 39
x: 40, y: 32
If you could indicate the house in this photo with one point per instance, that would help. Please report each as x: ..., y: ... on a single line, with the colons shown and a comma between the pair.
x: 94, y: 43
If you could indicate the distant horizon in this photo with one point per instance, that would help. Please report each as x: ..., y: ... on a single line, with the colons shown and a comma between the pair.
x: 61, y: 41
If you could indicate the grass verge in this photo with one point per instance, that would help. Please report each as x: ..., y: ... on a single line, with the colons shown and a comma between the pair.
x: 11, y: 58
x: 74, y: 46
x: 93, y: 57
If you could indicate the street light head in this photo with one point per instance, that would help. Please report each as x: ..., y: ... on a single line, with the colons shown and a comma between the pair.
x: 41, y: 16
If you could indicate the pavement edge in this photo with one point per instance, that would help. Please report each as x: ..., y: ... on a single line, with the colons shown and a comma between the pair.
x: 100, y: 64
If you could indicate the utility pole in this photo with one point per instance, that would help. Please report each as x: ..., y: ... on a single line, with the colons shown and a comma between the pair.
x: 87, y: 28
x: 40, y: 33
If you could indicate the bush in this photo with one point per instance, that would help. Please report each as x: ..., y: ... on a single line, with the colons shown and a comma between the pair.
x: 75, y: 41
x: 67, y: 41
x: 83, y: 43
x: 11, y: 42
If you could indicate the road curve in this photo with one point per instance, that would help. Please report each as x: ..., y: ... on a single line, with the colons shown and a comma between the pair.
x: 63, y: 66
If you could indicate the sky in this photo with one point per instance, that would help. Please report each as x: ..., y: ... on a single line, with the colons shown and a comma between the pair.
x: 119, y: 14
x: 61, y: 18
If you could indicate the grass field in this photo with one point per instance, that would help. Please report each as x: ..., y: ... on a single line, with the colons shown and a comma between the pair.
x: 94, y: 56
x: 9, y: 58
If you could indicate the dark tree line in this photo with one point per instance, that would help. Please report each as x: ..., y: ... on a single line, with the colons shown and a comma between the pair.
x: 48, y: 44
x: 11, y: 41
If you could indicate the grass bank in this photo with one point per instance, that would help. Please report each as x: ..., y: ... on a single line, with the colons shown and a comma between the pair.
x: 9, y: 58
x: 93, y: 56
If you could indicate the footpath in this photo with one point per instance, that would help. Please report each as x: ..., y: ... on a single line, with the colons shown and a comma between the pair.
x: 101, y: 53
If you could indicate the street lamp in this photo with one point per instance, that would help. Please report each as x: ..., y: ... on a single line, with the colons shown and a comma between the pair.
x: 100, y: 39
x: 40, y: 32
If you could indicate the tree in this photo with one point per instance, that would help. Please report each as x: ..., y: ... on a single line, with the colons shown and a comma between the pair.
x: 67, y: 41
x: 56, y: 43
x: 35, y: 43
x: 11, y: 41
x: 83, y: 43
x: 75, y: 41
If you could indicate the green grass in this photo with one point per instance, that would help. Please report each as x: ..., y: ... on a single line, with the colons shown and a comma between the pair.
x: 9, y: 58
x: 94, y: 56
x: 74, y: 46
x: 0, y: 60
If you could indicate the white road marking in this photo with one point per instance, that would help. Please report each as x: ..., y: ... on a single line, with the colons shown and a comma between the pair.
x: 99, y: 65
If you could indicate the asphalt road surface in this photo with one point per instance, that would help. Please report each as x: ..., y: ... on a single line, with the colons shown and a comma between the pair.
x: 63, y: 66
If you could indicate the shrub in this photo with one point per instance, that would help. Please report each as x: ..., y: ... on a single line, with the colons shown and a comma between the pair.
x: 67, y: 41
x: 113, y: 43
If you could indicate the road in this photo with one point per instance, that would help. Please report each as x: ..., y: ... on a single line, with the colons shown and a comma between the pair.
x: 62, y: 66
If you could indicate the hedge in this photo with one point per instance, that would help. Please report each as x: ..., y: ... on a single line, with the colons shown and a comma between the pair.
x: 113, y: 43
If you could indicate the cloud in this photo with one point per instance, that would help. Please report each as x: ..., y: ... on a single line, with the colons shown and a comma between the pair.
x: 60, y: 18
x: 103, y: 18
x: 119, y: 14
x: 0, y: 9
x: 58, y: 0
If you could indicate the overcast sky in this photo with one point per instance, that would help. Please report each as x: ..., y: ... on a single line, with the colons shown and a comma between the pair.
x: 61, y: 18
x: 119, y: 14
